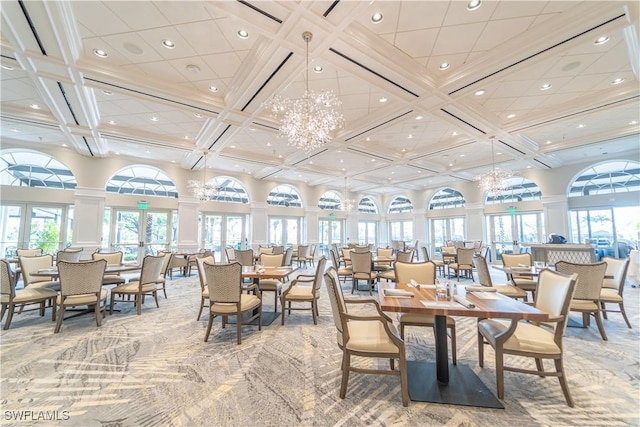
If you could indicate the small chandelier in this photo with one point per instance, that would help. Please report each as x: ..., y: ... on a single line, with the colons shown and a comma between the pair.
x: 307, y: 123
x: 203, y: 191
x: 348, y: 204
x: 495, y: 181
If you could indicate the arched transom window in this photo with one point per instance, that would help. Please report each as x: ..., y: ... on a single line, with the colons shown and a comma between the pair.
x: 330, y: 201
x: 607, y: 178
x: 33, y: 169
x: 284, y: 195
x: 367, y: 205
x: 143, y: 181
x: 520, y: 190
x: 447, y: 198
x: 400, y: 204
x: 230, y: 190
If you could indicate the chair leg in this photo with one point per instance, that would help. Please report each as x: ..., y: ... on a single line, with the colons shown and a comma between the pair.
x: 563, y: 382
x: 539, y: 366
x: 346, y: 363
x: 603, y: 309
x: 96, y: 309
x: 209, y: 324
x: 313, y: 312
x: 454, y: 357
x: 624, y: 314
x: 480, y: 350
x: 596, y: 314
x: 500, y: 373
x: 404, y: 384
x: 7, y: 322
x: 283, y: 310
x: 138, y: 303
x: 4, y: 308
x: 60, y: 317
x: 402, y: 331
x: 201, y: 307
x: 113, y: 299
x: 239, y: 327
x: 155, y: 296
x: 275, y: 301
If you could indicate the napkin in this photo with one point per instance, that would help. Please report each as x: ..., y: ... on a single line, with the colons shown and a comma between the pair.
x: 480, y: 289
x: 397, y: 293
x: 464, y: 301
x: 413, y: 284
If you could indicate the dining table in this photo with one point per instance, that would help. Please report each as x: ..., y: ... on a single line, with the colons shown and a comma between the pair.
x: 255, y: 273
x: 439, y: 382
x: 110, y: 269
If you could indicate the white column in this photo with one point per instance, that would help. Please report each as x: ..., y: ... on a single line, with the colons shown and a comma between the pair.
x: 473, y: 221
x: 259, y: 225
x: 556, y: 215
x: 313, y: 231
x: 188, y: 208
x: 352, y: 226
x: 87, y: 219
x: 420, y: 226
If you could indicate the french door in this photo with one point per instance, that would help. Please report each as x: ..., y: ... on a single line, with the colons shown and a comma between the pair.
x: 220, y: 231
x: 368, y: 232
x: 507, y: 233
x: 35, y: 226
x: 284, y: 231
x: 330, y: 232
x: 138, y: 232
x: 445, y: 229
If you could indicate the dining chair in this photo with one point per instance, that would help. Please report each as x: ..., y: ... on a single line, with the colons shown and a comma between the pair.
x: 178, y: 261
x: 447, y: 253
x: 226, y: 298
x: 539, y: 341
x: 202, y: 276
x: 401, y: 256
x: 70, y: 255
x: 269, y: 284
x: 612, y: 288
x: 424, y: 273
x: 300, y: 292
x: 230, y: 254
x: 10, y: 297
x: 147, y: 284
x: 463, y: 262
x: 300, y: 256
x: 383, y: 265
x: 277, y: 250
x: 342, y: 272
x: 311, y: 256
x: 244, y: 257
x: 524, y: 282
x: 368, y: 335
x: 288, y: 257
x: 361, y: 249
x: 31, y: 264
x: 29, y: 252
x: 425, y: 254
x: 586, y: 298
x: 484, y: 278
x: 80, y: 285
x: 346, y: 256
x: 113, y: 259
x: 361, y: 269
x: 202, y: 253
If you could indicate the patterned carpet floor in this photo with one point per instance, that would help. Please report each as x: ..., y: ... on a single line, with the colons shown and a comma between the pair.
x: 156, y: 370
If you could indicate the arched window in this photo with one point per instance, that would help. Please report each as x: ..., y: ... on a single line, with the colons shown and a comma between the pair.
x: 33, y: 169
x: 330, y: 201
x: 367, y: 205
x: 447, y: 198
x: 520, y: 190
x: 284, y: 195
x: 400, y: 204
x: 230, y: 190
x: 607, y: 178
x: 142, y: 181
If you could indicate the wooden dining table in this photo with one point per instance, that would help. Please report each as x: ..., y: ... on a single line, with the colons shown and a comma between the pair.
x: 439, y: 382
x: 281, y: 273
x: 110, y: 269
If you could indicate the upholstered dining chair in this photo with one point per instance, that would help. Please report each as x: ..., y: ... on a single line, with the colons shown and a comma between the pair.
x: 342, y: 272
x: 112, y: 258
x: 484, y: 278
x: 311, y: 255
x: 446, y: 252
x: 202, y: 276
x: 70, y: 255
x: 425, y: 254
x: 10, y: 297
x: 524, y: 282
x: 244, y: 257
x: 81, y: 284
x: 31, y: 264
x: 147, y: 284
x: 265, y: 250
x: 25, y: 252
x: 230, y: 254
x: 368, y: 335
x: 277, y: 249
x: 268, y: 284
x: 301, y: 292
x: 227, y: 299
x: 361, y: 269
x: 383, y: 265
x: 401, y: 256
x: 612, y: 289
x: 288, y: 257
x: 177, y: 261
x: 539, y: 341
x: 463, y: 262
x: 300, y: 256
x: 424, y: 273
x: 586, y: 298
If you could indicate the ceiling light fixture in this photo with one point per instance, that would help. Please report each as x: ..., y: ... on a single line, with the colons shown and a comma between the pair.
x: 243, y: 34
x: 479, y: 92
x: 348, y: 204
x: 511, y: 116
x: 545, y: 86
x: 100, y: 53
x: 383, y: 99
x: 444, y: 65
x: 601, y: 40
x: 213, y: 88
x: 168, y: 44
x: 496, y: 180
x: 107, y: 92
x: 317, y: 69
x: 6, y: 67
x: 203, y: 191
x: 35, y: 106
x: 377, y: 18
x: 617, y: 81
x: 307, y: 123
x: 474, y: 4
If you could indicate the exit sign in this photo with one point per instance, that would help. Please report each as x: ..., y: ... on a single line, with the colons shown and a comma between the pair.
x: 511, y: 210
x: 143, y: 205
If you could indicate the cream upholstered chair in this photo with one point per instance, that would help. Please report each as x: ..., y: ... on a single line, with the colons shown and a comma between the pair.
x: 202, y: 253
x: 586, y: 298
x: 10, y: 297
x: 288, y: 257
x: 365, y: 336
x: 612, y: 289
x: 361, y: 270
x: 147, y: 284
x: 445, y: 251
x: 31, y: 264
x: 202, y: 276
x: 70, y: 255
x: 230, y: 254
x: 265, y: 250
x: 484, y: 278
x: 277, y: 250
x: 540, y: 341
x: 177, y: 261
x: 81, y: 284
x: 523, y: 282
x: 311, y: 255
x: 244, y: 257
x: 300, y: 256
x: 346, y: 256
x: 300, y: 292
x: 227, y: 299
x: 112, y: 258
x: 423, y: 273
x: 401, y: 256
x: 29, y: 252
x: 464, y: 262
x: 383, y: 265
x: 343, y: 272
x: 271, y: 285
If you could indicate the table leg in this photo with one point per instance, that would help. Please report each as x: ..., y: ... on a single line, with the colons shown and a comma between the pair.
x: 442, y: 351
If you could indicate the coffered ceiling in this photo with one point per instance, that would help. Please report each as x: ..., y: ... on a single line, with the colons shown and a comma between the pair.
x: 409, y: 124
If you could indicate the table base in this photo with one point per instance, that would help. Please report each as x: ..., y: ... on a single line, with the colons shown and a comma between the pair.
x: 267, y: 318
x: 464, y: 387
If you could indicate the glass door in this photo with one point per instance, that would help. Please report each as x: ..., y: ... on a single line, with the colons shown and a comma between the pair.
x: 368, y: 232
x: 445, y: 229
x: 11, y: 230
x: 284, y: 231
x: 330, y: 232
x: 48, y: 227
x: 221, y: 231
x: 137, y: 232
x: 613, y: 232
x: 507, y: 232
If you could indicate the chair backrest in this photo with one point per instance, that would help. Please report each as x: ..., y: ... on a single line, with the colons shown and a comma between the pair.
x: 263, y: 250
x: 515, y: 260
x: 483, y: 251
x: 484, y: 277
x: 277, y: 250
x: 336, y: 297
x: 312, y: 250
x: 320, y: 267
x: 425, y: 253
x: 231, y: 254
x: 361, y: 249
x: 271, y: 260
x: 30, y: 264
x: 288, y: 257
x: 404, y: 256
x: 7, y: 280
x: 244, y: 257
x: 384, y: 252
x: 465, y: 256
x: 77, y: 278
x: 618, y: 269
x: 361, y: 262
x: 112, y: 258
x: 335, y: 263
x: 458, y: 244
x: 29, y: 252
x: 346, y: 255
x: 421, y: 272
x: 152, y: 268
x: 590, y: 278
x: 448, y: 249
x: 477, y: 244
x: 69, y: 255
x: 553, y: 296
x: 202, y: 274
x: 302, y: 251
x: 224, y: 282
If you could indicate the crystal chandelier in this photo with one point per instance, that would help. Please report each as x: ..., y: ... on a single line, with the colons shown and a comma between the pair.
x: 495, y: 181
x: 203, y: 190
x: 307, y: 123
x: 349, y: 204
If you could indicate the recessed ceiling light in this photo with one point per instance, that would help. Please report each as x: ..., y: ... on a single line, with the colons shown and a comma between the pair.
x: 377, y: 18
x: 243, y: 34
x: 528, y: 166
x: 310, y: 162
x: 317, y: 69
x: 173, y: 161
x: 545, y: 86
x: 633, y: 122
x: 450, y: 164
x: 186, y: 137
x: 341, y: 161
x: 601, y: 40
x: 511, y: 116
x: 168, y: 44
x: 147, y: 151
x: 548, y: 142
x: 499, y: 153
x: 117, y: 153
x: 343, y: 169
x: 112, y: 122
x: 479, y: 92
x: 100, y: 53
x: 6, y: 67
x: 233, y: 146
x: 16, y: 130
x: 279, y: 156
x: 419, y: 117
x: 404, y: 150
x: 64, y: 145
x: 383, y: 99
x: 392, y: 172
x: 35, y: 106
x: 107, y: 92
x: 192, y: 68
x: 410, y: 136
x: 444, y: 65
x: 373, y: 160
x: 268, y: 144
x: 198, y: 115
x: 617, y: 81
x: 454, y: 133
x: 367, y: 139
x: 213, y: 88
x: 474, y: 4
x: 461, y: 155
x: 580, y: 126
x: 154, y: 119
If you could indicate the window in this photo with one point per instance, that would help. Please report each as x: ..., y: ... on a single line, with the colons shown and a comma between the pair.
x: 367, y: 205
x: 400, y: 204
x: 606, y: 178
x: 33, y: 169
x: 520, y: 190
x: 284, y: 195
x: 447, y: 198
x: 229, y: 190
x: 330, y: 201
x: 142, y: 181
